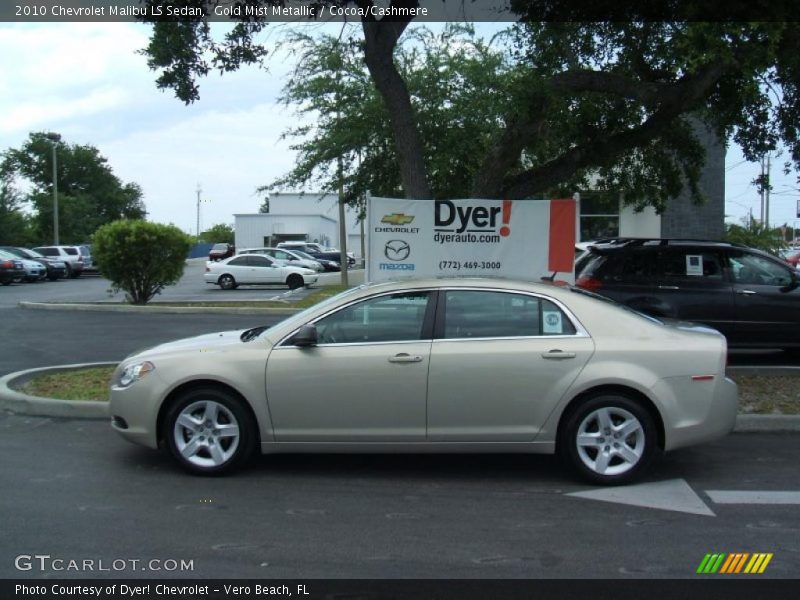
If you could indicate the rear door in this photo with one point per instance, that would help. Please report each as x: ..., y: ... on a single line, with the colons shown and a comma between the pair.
x: 692, y: 285
x: 500, y: 362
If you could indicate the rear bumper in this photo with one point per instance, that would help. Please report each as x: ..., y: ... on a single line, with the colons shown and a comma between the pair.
x: 705, y: 416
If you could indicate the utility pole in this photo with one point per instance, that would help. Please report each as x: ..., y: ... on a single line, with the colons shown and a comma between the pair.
x: 197, y: 230
x: 766, y: 193
x: 761, y: 189
x: 342, y: 229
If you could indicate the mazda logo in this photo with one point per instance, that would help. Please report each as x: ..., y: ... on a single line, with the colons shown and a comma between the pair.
x: 397, y: 250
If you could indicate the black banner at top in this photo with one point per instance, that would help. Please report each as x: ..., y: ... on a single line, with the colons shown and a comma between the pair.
x: 299, y: 11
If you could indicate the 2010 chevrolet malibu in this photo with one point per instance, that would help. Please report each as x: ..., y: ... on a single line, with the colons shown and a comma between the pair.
x: 463, y: 365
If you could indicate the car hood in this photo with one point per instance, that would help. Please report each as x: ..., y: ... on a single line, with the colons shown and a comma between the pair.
x: 210, y: 342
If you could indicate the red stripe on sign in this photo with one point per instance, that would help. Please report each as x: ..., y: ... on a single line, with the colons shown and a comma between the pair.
x: 561, y: 255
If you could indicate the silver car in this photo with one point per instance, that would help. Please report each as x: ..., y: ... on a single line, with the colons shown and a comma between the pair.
x: 441, y: 365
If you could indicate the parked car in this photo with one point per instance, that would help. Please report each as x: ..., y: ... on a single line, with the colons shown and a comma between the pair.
x: 88, y: 260
x: 751, y: 296
x: 56, y: 268
x: 221, y: 251
x: 286, y: 257
x: 327, y: 265
x: 71, y: 255
x: 313, y: 250
x: 454, y: 365
x: 11, y: 268
x: 255, y: 269
x: 793, y: 258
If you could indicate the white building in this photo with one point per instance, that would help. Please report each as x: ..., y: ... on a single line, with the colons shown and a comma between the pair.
x: 310, y: 217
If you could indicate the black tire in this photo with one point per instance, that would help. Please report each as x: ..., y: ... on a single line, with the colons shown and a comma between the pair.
x: 52, y: 277
x: 7, y: 282
x: 608, y: 456
x: 295, y: 281
x: 76, y: 274
x: 211, y: 453
x: 227, y: 282
x: 68, y: 272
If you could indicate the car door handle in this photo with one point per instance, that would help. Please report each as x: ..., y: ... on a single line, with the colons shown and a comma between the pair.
x: 558, y: 354
x: 405, y: 358
x: 746, y: 292
x: 668, y: 287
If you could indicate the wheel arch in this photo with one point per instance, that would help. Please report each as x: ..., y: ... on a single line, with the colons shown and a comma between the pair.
x: 611, y: 389
x: 197, y: 384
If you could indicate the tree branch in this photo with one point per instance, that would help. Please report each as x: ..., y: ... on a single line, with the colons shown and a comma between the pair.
x: 604, y: 147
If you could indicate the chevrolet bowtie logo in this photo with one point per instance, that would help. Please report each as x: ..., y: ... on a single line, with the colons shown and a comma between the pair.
x: 397, y: 219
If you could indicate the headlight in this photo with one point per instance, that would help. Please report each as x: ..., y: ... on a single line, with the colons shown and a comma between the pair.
x: 135, y: 372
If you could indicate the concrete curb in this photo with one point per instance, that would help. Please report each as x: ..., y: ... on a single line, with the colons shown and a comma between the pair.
x: 154, y: 308
x: 24, y: 404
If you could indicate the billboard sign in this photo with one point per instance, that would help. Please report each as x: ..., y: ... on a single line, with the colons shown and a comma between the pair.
x: 520, y: 239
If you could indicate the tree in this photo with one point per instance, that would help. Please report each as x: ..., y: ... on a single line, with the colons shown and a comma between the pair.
x: 348, y: 119
x: 756, y: 235
x: 218, y: 234
x: 140, y: 258
x: 89, y: 194
x: 612, y: 100
x: 15, y: 227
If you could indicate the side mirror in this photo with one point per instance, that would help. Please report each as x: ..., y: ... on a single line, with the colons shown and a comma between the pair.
x: 306, y: 336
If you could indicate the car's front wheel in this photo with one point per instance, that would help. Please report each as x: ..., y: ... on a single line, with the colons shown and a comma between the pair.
x: 609, y: 439
x: 209, y: 431
x: 227, y: 282
x: 294, y: 281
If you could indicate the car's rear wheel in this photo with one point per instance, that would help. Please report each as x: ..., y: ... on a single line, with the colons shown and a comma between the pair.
x: 68, y: 271
x: 209, y: 431
x: 294, y: 281
x: 609, y: 439
x: 227, y: 282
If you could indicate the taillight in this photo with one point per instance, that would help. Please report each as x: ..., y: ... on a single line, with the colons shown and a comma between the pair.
x: 589, y: 283
x: 7, y: 264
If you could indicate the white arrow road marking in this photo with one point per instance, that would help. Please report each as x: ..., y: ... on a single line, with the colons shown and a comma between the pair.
x: 674, y: 494
x: 760, y: 497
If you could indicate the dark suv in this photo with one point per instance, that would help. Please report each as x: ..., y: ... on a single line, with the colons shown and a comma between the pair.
x: 750, y: 296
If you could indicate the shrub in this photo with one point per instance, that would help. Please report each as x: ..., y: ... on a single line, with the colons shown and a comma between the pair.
x: 756, y: 235
x: 139, y: 257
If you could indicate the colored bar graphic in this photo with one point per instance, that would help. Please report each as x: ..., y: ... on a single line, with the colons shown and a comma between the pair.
x: 729, y: 564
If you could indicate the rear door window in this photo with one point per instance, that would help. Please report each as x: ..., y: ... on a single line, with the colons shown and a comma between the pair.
x: 689, y: 266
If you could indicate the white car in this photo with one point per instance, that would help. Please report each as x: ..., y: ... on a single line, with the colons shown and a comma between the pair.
x: 436, y: 365
x: 256, y: 269
x: 286, y: 257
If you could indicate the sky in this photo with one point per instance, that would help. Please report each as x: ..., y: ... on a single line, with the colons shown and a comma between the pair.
x: 88, y: 82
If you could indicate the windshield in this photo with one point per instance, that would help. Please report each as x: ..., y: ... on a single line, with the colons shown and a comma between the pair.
x: 303, y: 315
x: 302, y: 254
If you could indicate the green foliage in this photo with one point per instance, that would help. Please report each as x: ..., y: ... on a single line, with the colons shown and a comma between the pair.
x: 220, y: 233
x: 563, y: 104
x: 460, y: 86
x: 140, y: 258
x: 89, y: 194
x: 756, y: 235
x: 15, y: 226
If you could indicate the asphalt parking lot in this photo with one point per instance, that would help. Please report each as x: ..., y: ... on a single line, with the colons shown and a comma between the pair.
x: 190, y: 288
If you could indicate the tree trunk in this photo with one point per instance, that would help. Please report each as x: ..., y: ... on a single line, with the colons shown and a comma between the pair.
x: 381, y: 39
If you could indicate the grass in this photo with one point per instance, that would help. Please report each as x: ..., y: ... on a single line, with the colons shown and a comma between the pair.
x: 768, y: 394
x: 78, y: 384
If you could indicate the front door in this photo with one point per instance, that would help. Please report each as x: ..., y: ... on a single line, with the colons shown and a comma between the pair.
x: 365, y: 381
